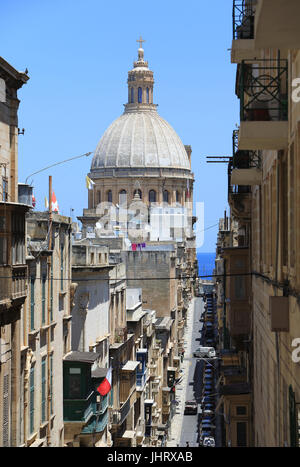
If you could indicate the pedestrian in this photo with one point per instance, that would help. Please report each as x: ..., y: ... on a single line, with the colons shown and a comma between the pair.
x: 187, y: 444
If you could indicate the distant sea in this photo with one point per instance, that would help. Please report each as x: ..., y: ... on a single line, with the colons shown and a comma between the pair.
x: 206, y: 264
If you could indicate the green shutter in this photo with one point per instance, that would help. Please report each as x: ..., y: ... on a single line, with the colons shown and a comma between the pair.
x: 43, y: 299
x: 32, y: 281
x: 293, y: 420
x: 31, y: 403
x: 43, y: 389
x: 51, y: 298
x: 51, y: 383
x: 62, y: 267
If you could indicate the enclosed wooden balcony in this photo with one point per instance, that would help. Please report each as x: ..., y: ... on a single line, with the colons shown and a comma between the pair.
x: 13, y: 288
x: 238, y: 314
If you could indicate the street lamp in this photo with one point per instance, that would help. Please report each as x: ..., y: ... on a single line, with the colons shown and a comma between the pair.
x: 58, y: 163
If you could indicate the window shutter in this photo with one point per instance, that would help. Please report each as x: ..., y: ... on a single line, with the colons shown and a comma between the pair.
x: 6, y: 411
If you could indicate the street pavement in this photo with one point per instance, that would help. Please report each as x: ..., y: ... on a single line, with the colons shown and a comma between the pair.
x: 184, y: 428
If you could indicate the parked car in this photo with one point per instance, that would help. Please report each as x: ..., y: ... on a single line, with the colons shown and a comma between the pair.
x: 191, y: 407
x: 208, y: 442
x: 205, y: 352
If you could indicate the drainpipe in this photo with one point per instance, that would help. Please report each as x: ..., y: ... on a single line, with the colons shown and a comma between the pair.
x: 49, y: 263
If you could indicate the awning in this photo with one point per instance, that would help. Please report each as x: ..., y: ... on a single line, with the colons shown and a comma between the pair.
x: 129, y: 434
x: 99, y: 373
x: 83, y: 357
x: 130, y: 365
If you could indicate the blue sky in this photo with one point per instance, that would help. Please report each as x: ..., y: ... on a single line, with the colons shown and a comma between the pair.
x: 78, y: 54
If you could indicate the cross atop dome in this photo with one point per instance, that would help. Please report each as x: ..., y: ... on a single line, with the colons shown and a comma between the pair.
x: 140, y: 40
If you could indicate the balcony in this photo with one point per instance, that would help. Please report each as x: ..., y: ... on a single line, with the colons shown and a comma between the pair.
x: 245, y: 165
x: 12, y: 284
x: 243, y: 46
x: 118, y: 416
x: 238, y: 314
x: 262, y: 89
x: 80, y: 410
x: 277, y: 24
x: 239, y: 197
x: 152, y: 370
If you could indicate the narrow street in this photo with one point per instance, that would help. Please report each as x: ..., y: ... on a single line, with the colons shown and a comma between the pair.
x: 185, y: 427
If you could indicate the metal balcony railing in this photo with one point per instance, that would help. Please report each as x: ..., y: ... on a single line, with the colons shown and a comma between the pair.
x: 241, y: 160
x: 243, y: 19
x: 263, y: 90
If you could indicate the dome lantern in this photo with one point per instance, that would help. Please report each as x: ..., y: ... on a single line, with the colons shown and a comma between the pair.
x: 140, y: 84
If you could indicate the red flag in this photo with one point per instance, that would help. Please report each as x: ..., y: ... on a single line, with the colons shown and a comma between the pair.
x: 105, y: 386
x: 54, y: 202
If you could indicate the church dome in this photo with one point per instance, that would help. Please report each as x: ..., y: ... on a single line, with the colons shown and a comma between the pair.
x: 140, y: 138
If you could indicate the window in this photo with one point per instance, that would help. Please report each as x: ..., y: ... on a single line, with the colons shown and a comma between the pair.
x: 44, y: 299
x: 75, y: 383
x: 241, y: 434
x: 147, y: 92
x: 5, y: 426
x: 122, y: 197
x: 165, y: 196
x: 62, y: 266
x: 152, y: 196
x: 178, y: 197
x: 32, y: 303
x: 4, y: 189
x: 98, y: 197
x: 43, y: 387
x: 3, y: 250
x: 31, y: 401
x: 241, y: 410
x: 284, y: 210
x: 140, y: 100
x: 109, y: 196
x: 132, y: 96
x: 239, y: 287
x: 51, y: 384
x: 51, y: 292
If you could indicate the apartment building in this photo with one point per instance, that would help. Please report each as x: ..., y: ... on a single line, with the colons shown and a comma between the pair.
x: 45, y: 335
x: 13, y: 268
x: 263, y: 176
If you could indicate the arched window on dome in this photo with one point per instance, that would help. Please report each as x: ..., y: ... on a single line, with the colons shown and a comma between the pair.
x: 165, y: 196
x: 147, y: 94
x: 178, y: 197
x: 98, y: 197
x: 152, y: 196
x: 109, y: 196
x: 140, y: 99
x: 122, y: 197
x: 139, y: 193
x: 132, y: 95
